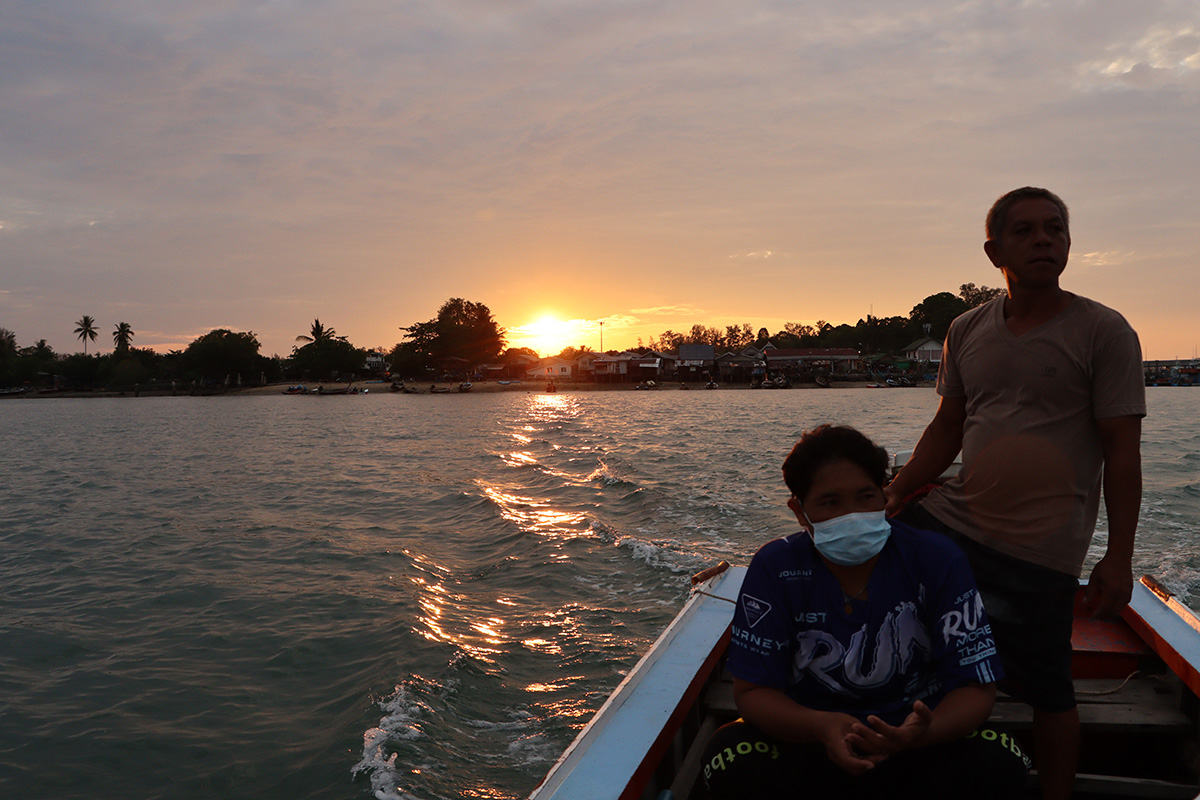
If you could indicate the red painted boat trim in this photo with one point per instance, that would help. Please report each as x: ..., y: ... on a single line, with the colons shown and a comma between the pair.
x: 645, y: 772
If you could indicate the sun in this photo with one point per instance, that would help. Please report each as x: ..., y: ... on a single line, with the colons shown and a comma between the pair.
x: 549, y: 335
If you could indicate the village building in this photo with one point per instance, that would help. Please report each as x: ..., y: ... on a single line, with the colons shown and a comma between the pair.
x: 551, y: 368
x: 585, y: 365
x: 513, y: 368
x: 696, y: 362
x: 927, y: 349
x: 807, y: 362
x: 631, y: 366
x: 376, y: 363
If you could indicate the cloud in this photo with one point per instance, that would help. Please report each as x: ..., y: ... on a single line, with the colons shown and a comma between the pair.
x: 1105, y: 259
x: 619, y: 321
x: 263, y: 162
x: 668, y: 311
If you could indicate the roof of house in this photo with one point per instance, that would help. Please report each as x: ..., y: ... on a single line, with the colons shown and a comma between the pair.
x: 920, y: 344
x: 697, y: 352
x: 554, y: 361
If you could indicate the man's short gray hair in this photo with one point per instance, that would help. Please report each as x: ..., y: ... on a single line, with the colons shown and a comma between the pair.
x: 998, y: 215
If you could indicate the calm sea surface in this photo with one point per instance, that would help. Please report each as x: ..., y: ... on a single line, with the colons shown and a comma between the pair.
x: 388, y: 595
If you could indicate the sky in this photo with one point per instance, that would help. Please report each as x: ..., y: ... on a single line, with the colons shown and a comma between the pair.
x: 652, y: 165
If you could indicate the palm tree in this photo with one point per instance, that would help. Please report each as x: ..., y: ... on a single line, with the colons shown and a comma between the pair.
x: 122, y: 336
x: 8, y: 343
x: 86, y: 331
x: 42, y: 351
x: 318, y: 333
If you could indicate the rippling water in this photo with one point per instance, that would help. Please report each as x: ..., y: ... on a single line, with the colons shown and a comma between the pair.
x: 392, y: 596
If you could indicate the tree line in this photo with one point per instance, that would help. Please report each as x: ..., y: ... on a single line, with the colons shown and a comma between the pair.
x: 462, y: 337
x: 221, y: 357
x: 931, y: 317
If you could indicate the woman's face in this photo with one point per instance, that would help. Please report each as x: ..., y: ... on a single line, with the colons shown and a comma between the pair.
x: 838, y: 488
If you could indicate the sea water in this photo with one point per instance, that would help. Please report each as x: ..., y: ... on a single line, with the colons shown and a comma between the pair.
x: 387, y: 595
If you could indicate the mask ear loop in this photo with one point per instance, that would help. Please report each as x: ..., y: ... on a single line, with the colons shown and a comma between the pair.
x: 799, y: 508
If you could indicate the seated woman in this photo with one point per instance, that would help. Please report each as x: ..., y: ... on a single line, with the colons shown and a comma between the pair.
x: 863, y: 661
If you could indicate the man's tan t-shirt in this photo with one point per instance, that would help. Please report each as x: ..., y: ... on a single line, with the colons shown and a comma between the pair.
x: 1032, y: 457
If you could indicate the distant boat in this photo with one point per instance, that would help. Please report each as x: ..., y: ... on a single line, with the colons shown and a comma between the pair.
x: 17, y: 392
x: 465, y: 386
x: 822, y: 381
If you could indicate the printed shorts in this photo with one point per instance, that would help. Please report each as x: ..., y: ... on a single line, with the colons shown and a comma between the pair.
x: 1031, y: 610
x: 740, y: 761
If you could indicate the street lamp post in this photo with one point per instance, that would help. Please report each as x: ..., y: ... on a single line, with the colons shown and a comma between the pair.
x: 602, y: 337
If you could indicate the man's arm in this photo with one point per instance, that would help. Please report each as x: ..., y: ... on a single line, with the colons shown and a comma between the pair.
x: 1111, y: 583
x: 933, y: 454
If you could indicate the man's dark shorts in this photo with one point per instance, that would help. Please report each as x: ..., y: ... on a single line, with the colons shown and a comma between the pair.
x: 1030, y: 608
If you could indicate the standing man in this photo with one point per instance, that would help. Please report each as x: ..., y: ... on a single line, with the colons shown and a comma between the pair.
x: 1043, y: 392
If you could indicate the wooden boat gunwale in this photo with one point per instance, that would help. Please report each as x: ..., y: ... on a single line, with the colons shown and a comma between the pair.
x: 617, y: 752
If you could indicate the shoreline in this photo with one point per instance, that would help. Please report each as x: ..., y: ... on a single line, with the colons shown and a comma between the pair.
x: 384, y: 387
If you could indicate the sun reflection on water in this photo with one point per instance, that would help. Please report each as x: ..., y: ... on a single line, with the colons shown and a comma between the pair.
x: 553, y: 406
x: 437, y: 622
x: 518, y: 459
x: 535, y: 516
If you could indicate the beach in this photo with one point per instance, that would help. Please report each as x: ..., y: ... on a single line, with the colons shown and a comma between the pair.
x: 483, y: 387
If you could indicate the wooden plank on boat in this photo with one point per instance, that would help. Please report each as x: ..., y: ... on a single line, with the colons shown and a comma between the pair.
x: 1120, y: 787
x: 1130, y: 713
x: 689, y: 769
x: 1140, y: 705
x: 614, y: 756
x: 1137, y: 706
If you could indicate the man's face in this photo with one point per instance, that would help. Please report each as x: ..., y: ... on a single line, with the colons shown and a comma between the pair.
x: 1033, y: 246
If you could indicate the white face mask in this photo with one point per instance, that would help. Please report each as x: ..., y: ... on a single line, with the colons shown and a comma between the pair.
x: 851, y: 539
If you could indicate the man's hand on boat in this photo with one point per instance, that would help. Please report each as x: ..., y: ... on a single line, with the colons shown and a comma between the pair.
x: 1109, y: 587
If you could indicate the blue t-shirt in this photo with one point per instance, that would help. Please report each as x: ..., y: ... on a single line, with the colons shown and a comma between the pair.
x: 921, y: 632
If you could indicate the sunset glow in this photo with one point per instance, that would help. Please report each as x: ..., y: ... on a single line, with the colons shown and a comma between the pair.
x: 550, y: 335
x: 626, y: 180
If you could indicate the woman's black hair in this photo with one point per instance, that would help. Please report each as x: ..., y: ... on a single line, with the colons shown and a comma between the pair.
x: 825, y: 444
